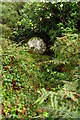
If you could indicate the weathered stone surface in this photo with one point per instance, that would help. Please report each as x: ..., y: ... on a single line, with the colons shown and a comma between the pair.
x: 36, y: 45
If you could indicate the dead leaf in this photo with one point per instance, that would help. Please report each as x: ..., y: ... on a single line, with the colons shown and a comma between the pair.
x: 40, y: 110
x: 17, y: 100
x: 24, y: 111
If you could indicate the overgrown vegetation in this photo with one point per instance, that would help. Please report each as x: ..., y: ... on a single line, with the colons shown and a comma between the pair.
x: 40, y: 86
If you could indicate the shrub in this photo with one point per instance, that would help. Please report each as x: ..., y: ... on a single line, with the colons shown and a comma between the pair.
x: 67, y: 48
x: 46, y: 20
x: 6, y: 31
x: 10, y: 13
x: 37, y: 20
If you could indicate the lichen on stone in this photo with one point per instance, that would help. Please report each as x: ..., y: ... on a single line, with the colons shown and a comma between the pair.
x: 36, y: 45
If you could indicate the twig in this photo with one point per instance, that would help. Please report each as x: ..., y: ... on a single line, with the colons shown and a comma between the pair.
x: 53, y: 61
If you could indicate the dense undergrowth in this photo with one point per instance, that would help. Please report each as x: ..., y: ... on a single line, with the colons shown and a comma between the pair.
x: 40, y: 86
x: 37, y: 86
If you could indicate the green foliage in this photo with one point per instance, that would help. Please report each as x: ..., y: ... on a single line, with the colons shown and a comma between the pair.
x: 46, y: 20
x: 69, y: 14
x: 67, y: 48
x: 40, y: 86
x: 20, y: 81
x: 37, y: 20
x: 10, y: 15
x: 6, y: 31
x: 59, y: 103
